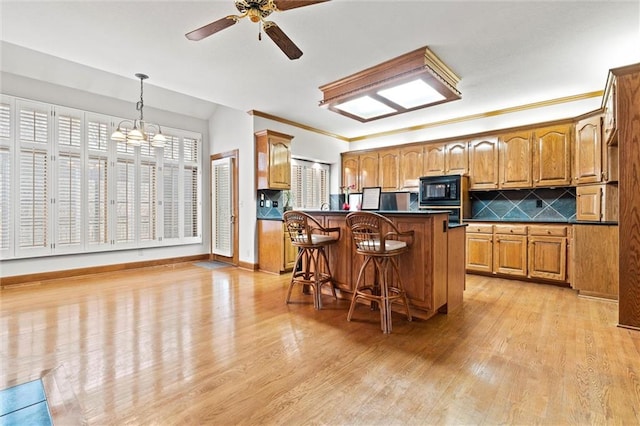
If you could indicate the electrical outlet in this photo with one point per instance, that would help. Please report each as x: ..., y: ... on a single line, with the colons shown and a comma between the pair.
x: 539, y: 204
x: 275, y: 204
x: 267, y: 203
x: 261, y: 203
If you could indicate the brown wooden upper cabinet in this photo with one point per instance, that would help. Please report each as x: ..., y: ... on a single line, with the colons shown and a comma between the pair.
x: 369, y: 163
x: 273, y: 160
x: 350, y: 170
x: 410, y: 167
x: 483, y: 163
x: 589, y: 154
x: 552, y: 156
x: 610, y: 119
x: 515, y: 160
x: 389, y: 176
x: 446, y: 159
x: 360, y: 170
x: 457, y: 158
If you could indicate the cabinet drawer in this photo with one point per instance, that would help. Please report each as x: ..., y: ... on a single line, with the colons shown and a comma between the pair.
x: 480, y: 229
x: 553, y: 231
x: 511, y: 229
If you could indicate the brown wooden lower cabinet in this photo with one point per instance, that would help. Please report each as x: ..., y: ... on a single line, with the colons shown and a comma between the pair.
x: 424, y: 270
x: 479, y: 248
x: 510, y: 250
x: 537, y: 252
x: 275, y: 252
x: 596, y: 260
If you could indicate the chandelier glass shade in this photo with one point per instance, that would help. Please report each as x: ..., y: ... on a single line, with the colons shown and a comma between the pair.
x: 135, y: 132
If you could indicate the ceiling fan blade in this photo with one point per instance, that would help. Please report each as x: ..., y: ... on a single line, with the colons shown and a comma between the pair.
x: 292, y: 4
x: 280, y: 38
x: 211, y: 28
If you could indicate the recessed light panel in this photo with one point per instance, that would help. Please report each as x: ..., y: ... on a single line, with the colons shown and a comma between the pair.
x: 412, y: 94
x: 365, y: 107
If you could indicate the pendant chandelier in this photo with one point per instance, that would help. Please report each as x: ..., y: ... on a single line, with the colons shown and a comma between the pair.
x: 139, y: 130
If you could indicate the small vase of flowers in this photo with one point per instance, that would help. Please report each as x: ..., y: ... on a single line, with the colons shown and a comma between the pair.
x: 346, y: 190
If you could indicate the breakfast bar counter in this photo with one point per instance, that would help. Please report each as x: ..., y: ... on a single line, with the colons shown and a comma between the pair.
x: 433, y: 271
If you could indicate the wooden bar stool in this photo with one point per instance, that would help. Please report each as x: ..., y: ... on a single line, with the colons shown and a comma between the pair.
x: 311, y: 267
x: 377, y: 239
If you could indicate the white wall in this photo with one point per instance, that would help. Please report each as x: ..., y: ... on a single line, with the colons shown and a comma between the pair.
x: 232, y: 129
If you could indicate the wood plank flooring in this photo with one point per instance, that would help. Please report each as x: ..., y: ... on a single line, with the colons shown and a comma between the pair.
x: 183, y: 344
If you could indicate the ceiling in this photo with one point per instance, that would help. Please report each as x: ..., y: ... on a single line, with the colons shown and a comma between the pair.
x: 507, y: 53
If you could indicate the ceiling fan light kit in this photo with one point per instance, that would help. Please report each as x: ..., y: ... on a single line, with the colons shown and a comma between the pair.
x: 140, y: 130
x: 415, y: 80
x: 258, y: 11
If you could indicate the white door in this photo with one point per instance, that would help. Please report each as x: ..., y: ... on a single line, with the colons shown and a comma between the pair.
x: 222, y: 207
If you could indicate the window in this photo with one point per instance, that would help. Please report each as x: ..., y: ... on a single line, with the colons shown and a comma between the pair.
x: 309, y: 184
x: 66, y: 187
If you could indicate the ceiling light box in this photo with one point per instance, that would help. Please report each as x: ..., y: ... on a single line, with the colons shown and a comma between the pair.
x: 412, y: 81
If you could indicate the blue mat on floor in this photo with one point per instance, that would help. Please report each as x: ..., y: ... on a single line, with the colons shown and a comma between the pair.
x: 24, y: 404
x: 212, y: 265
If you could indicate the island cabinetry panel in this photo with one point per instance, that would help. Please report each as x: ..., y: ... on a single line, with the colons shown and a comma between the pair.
x: 552, y: 156
x: 339, y: 263
x: 273, y: 160
x: 595, y: 266
x: 479, y: 248
x: 515, y: 160
x: 410, y: 165
x: 424, y: 268
x: 389, y: 174
x: 483, y: 163
x: 510, y: 250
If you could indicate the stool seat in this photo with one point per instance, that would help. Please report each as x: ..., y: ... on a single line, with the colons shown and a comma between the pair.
x: 311, y: 268
x: 381, y: 243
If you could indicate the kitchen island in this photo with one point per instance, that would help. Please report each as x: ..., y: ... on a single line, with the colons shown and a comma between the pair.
x: 433, y: 271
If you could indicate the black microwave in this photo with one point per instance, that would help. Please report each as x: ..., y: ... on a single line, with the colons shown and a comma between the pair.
x: 440, y: 191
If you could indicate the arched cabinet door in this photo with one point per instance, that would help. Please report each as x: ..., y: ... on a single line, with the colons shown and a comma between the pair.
x: 483, y: 163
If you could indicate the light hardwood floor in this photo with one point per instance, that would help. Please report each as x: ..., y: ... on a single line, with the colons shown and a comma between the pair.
x: 183, y: 344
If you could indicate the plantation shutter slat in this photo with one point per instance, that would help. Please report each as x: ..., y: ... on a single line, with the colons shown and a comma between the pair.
x: 68, y: 230
x: 148, y: 201
x: 33, y: 185
x: 190, y: 201
x: 5, y: 200
x: 171, y: 201
x: 97, y: 192
x: 5, y: 179
x: 125, y: 201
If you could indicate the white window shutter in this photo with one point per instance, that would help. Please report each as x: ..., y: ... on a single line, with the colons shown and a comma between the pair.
x: 148, y: 201
x: 68, y: 180
x: 34, y: 200
x: 6, y: 204
x: 125, y: 201
x: 222, y: 207
x: 98, y: 182
x: 171, y: 201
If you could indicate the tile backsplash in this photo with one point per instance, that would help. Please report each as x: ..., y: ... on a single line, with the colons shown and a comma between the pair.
x: 545, y: 204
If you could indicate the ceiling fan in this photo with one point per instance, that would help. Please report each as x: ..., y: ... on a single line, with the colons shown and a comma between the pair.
x: 257, y: 11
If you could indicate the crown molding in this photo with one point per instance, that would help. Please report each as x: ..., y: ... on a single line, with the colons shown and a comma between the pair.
x: 461, y: 119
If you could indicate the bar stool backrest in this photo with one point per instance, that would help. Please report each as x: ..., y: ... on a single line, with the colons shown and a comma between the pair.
x: 305, y: 231
x: 374, y: 234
